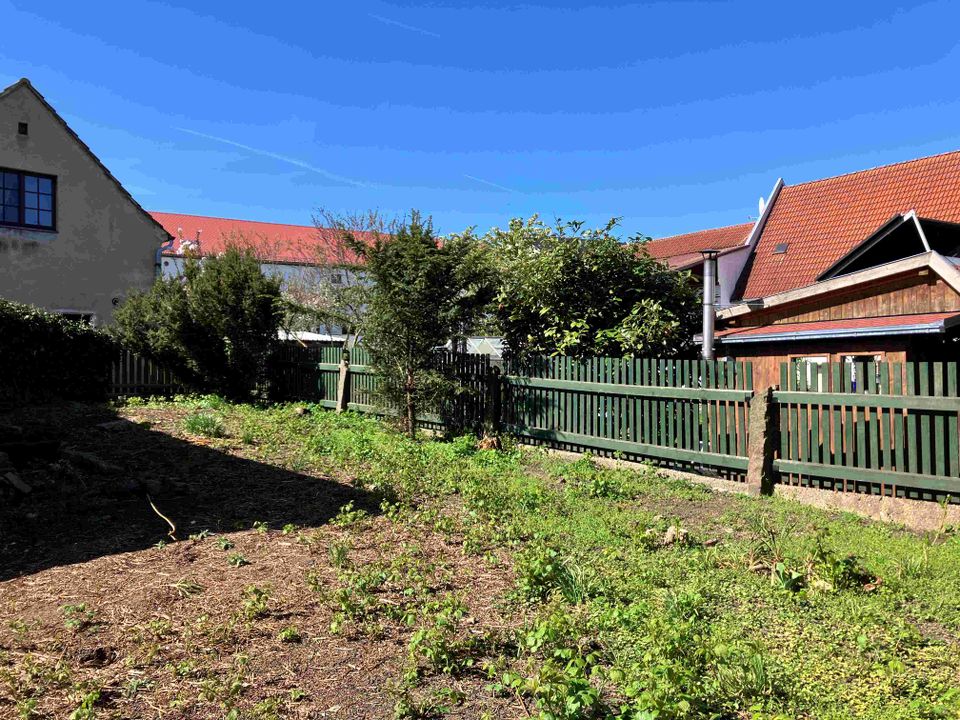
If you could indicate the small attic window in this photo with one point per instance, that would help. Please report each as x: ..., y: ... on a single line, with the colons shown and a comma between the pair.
x: 23, y: 129
x: 780, y: 248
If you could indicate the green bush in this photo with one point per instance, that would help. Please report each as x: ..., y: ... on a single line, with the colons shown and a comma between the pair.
x: 215, y: 328
x: 571, y: 290
x: 44, y: 356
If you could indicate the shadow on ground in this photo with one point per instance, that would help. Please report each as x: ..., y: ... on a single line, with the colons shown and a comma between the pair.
x: 77, y: 511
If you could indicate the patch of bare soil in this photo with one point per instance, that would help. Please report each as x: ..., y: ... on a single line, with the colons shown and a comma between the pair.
x: 91, y: 608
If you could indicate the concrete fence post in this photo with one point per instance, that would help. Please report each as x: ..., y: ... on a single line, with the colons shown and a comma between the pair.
x: 343, y: 383
x: 761, y: 475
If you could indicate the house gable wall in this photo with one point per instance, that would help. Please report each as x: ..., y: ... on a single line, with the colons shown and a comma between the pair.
x: 104, y: 245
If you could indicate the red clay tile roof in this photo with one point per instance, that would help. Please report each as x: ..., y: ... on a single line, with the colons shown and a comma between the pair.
x: 885, y: 323
x: 270, y: 241
x: 823, y: 220
x: 680, y: 250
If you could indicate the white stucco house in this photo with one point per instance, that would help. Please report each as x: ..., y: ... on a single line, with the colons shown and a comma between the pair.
x: 72, y: 239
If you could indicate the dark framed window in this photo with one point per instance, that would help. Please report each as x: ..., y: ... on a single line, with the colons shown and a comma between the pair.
x: 82, y: 318
x: 28, y: 199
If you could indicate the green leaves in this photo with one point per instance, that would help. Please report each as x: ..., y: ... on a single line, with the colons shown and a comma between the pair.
x: 423, y: 293
x: 567, y: 290
x: 45, y: 356
x: 215, y: 328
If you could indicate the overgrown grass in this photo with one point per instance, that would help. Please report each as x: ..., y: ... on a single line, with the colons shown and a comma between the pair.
x: 204, y: 423
x: 637, y: 596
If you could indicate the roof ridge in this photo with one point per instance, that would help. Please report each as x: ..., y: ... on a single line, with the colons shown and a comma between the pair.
x: 217, y: 217
x: 876, y: 168
x: 21, y: 82
x: 703, y: 230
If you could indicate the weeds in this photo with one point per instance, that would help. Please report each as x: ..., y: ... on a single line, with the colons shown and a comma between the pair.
x: 347, y: 515
x: 255, y: 602
x: 27, y: 708
x: 203, y: 423
x: 340, y: 554
x: 187, y: 588
x: 289, y: 635
x: 77, y: 617
x: 86, y: 711
x: 542, y: 570
x: 434, y: 642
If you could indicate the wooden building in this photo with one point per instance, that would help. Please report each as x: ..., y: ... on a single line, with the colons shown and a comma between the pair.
x: 860, y: 267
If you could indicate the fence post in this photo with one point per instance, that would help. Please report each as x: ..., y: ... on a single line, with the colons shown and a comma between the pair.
x: 343, y: 383
x: 763, y: 442
x: 494, y: 391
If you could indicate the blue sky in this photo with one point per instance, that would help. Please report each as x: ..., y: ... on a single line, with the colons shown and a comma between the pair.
x: 674, y: 115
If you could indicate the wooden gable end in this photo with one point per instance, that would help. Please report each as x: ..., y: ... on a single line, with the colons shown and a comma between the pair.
x: 918, y: 292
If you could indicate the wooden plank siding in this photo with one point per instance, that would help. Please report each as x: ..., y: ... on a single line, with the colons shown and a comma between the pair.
x: 899, y: 296
x: 768, y: 357
x: 908, y: 294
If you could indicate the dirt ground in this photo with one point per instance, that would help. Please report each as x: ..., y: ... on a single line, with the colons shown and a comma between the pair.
x: 90, y: 603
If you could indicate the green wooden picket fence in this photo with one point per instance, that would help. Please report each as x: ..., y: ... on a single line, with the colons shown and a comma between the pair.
x: 307, y: 373
x: 685, y: 413
x: 313, y: 374
x: 880, y: 428
x: 132, y: 375
x: 467, y: 410
x: 682, y: 413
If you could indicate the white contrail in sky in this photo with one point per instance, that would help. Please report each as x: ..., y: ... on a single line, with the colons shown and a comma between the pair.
x: 397, y: 23
x: 276, y: 156
x: 491, y: 184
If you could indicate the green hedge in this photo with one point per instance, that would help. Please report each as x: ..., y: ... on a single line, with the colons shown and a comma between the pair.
x: 44, y: 356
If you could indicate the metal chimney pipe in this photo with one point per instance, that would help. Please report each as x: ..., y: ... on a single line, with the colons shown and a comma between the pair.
x: 709, y: 291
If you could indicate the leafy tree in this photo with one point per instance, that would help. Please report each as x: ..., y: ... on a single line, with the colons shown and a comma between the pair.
x: 215, y: 327
x: 422, y: 294
x: 566, y: 290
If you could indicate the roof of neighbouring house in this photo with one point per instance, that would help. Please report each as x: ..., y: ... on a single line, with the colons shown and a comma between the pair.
x: 682, y: 251
x: 819, y: 329
x: 821, y: 221
x: 293, y: 244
